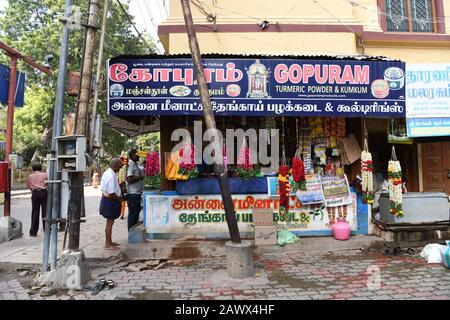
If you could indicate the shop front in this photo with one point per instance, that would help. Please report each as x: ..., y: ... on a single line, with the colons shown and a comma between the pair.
x: 293, y: 134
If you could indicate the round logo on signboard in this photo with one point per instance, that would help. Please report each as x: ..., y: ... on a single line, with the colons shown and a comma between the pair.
x: 116, y: 90
x: 180, y: 91
x: 233, y: 90
x: 380, y: 88
x: 395, y: 77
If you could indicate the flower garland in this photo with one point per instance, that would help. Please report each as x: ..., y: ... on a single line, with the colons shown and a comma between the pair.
x: 395, y: 188
x: 187, y: 161
x: 152, y: 166
x: 367, y: 177
x: 298, y: 174
x: 283, y: 182
x: 245, y: 169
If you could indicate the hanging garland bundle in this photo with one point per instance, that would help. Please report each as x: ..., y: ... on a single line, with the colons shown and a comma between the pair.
x: 245, y: 168
x: 298, y: 167
x: 283, y: 182
x: 395, y: 188
x: 367, y: 177
x: 187, y: 161
x: 152, y: 166
x: 298, y: 174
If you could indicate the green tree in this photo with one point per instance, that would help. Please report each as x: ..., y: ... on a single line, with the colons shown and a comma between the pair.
x: 33, y: 27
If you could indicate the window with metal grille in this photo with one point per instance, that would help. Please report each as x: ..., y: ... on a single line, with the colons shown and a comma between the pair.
x: 409, y: 15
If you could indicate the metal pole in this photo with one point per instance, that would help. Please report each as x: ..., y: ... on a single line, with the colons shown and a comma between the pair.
x: 9, y: 129
x: 76, y: 192
x: 210, y: 122
x: 53, y: 197
x: 97, y: 78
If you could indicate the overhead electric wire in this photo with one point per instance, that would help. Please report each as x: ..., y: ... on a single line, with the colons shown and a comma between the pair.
x: 134, y: 26
x: 384, y: 13
x: 334, y: 16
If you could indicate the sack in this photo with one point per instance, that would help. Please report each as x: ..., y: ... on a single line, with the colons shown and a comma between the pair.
x: 172, y: 167
x: 432, y: 253
x: 286, y: 237
x: 445, y: 254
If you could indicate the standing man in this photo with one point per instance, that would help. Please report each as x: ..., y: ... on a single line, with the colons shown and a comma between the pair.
x: 111, y: 200
x: 36, y: 182
x: 135, y: 187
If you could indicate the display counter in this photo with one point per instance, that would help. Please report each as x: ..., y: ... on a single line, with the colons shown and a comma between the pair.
x: 172, y: 216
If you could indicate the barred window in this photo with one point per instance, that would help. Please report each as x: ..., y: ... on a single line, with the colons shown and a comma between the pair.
x: 409, y: 15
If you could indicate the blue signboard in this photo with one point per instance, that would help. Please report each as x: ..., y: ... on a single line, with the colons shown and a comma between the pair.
x: 4, y: 86
x: 258, y: 87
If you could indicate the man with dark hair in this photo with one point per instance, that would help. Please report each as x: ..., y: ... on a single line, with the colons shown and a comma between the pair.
x: 135, y: 187
x: 36, y: 182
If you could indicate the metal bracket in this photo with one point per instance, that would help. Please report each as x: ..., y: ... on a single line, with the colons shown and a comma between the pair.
x: 54, y: 181
x: 78, y: 221
x: 57, y: 181
x: 54, y: 221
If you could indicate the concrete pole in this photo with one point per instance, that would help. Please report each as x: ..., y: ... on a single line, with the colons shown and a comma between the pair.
x: 97, y: 78
x: 53, y: 195
x: 210, y: 122
x: 75, y: 203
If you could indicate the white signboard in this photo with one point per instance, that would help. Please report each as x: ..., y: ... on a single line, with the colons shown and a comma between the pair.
x: 428, y: 90
x: 203, y: 215
x: 428, y: 100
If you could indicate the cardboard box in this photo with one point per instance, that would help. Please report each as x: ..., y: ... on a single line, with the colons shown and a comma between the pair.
x: 266, y: 235
x: 262, y: 217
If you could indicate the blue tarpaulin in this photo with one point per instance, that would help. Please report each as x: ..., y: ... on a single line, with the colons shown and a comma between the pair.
x: 260, y: 86
x: 4, y: 85
x: 211, y: 186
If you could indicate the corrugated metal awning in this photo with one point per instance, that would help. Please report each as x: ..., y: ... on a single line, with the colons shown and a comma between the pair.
x: 131, y: 127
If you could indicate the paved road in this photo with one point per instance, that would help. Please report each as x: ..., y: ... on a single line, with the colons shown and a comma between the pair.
x: 21, y: 207
x: 342, y: 275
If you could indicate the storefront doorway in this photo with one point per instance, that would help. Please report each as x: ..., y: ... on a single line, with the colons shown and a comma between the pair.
x: 436, y: 166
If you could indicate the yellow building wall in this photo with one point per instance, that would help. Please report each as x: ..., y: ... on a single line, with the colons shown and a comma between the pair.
x: 311, y: 43
x: 307, y: 12
x: 412, y: 55
x: 282, y: 11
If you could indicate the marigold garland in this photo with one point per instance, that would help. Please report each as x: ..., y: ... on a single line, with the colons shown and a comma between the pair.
x: 395, y: 188
x: 367, y: 177
x: 283, y: 182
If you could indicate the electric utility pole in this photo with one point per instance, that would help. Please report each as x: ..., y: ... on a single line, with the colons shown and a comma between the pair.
x: 76, y: 193
x: 97, y: 77
x: 54, y: 187
x: 210, y: 122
